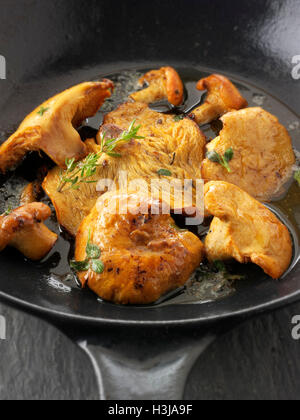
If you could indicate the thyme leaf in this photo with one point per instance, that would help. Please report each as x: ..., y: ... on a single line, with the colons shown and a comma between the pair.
x: 93, y: 253
x: 8, y: 211
x: 214, y: 156
x: 79, y: 266
x: 178, y: 118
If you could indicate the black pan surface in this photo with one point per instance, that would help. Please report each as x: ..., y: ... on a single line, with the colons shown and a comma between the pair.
x: 63, y: 43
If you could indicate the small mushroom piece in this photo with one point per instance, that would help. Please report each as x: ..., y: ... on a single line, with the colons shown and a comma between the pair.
x: 245, y: 230
x: 176, y: 146
x: 163, y: 83
x: 24, y: 230
x: 51, y: 127
x: 263, y: 155
x: 33, y: 191
x: 222, y: 97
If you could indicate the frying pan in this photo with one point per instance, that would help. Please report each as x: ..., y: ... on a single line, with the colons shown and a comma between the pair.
x: 138, y: 352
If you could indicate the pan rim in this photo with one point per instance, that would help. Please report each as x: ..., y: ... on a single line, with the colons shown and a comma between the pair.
x: 100, y: 321
x: 93, y: 321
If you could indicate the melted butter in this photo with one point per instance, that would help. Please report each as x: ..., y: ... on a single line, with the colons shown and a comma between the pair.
x: 290, y: 206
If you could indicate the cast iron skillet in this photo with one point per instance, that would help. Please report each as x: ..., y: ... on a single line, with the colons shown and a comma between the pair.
x: 51, y: 45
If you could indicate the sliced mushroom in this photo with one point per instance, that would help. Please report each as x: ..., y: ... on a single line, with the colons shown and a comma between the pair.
x: 51, y: 127
x: 245, y: 230
x: 263, y: 155
x: 24, y: 230
x: 222, y: 97
x: 144, y: 255
x: 163, y: 83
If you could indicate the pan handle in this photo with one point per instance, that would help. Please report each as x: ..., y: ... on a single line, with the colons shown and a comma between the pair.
x: 144, y: 365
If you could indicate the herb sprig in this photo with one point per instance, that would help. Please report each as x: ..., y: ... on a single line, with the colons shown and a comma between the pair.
x: 164, y: 172
x: 297, y: 177
x: 178, y: 118
x: 77, y: 173
x: 8, y: 211
x: 214, y: 156
x: 92, y: 261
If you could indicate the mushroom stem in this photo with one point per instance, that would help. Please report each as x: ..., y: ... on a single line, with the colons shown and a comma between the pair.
x: 51, y: 127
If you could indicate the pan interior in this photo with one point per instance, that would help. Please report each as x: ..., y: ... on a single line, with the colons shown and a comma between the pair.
x: 50, y: 287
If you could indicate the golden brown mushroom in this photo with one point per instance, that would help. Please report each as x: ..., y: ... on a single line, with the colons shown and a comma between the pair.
x: 144, y: 255
x: 245, y: 230
x: 24, y: 230
x: 51, y: 126
x: 263, y: 153
x: 163, y: 83
x: 222, y: 97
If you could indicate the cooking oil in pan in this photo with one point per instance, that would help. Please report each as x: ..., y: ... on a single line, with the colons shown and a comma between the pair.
x: 207, y: 283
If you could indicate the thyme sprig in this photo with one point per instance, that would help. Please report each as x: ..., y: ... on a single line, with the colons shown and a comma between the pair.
x: 42, y: 111
x: 178, y: 118
x: 214, y: 156
x: 77, y: 173
x: 297, y: 177
x: 8, y: 211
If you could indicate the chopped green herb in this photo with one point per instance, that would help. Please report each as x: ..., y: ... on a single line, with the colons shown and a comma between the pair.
x: 297, y: 177
x: 219, y: 266
x: 79, y: 266
x: 97, y: 266
x: 173, y: 158
x: 164, y: 172
x: 93, y: 251
x: 42, y: 111
x: 214, y: 156
x: 178, y: 118
x: 77, y: 173
x: 174, y: 226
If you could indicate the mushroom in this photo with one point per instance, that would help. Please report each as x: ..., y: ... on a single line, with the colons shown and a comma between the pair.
x: 262, y: 153
x: 245, y: 230
x: 222, y: 97
x: 31, y: 193
x: 141, y: 255
x: 174, y: 146
x: 23, y: 229
x: 163, y: 83
x: 51, y: 126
